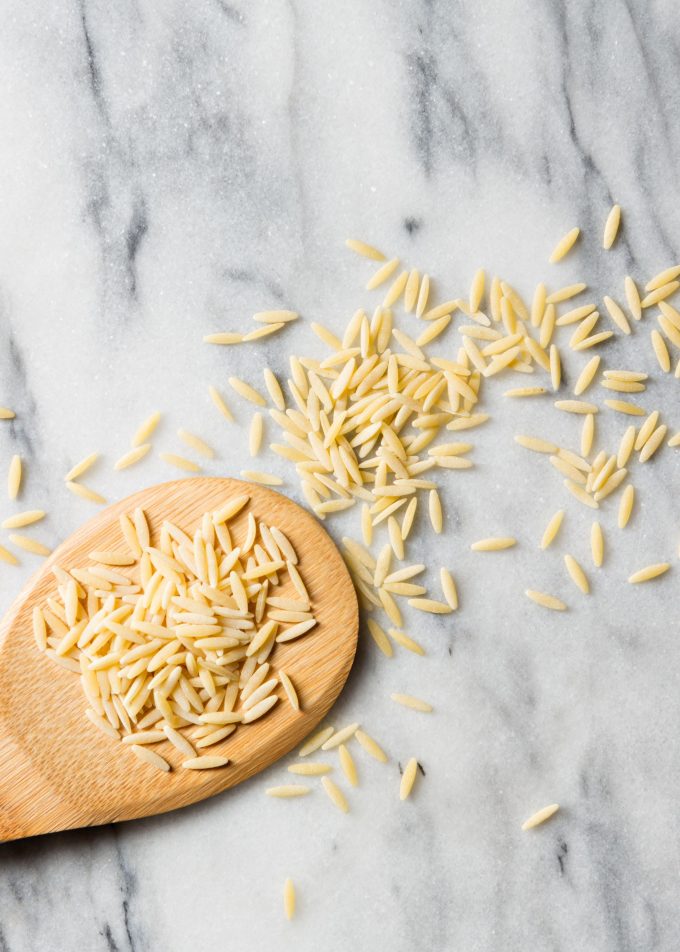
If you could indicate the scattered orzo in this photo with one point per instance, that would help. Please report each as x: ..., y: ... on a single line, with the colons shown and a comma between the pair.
x: 649, y: 572
x: 408, y: 778
x: 540, y: 816
x: 288, y: 899
x: 363, y: 426
x: 545, y: 600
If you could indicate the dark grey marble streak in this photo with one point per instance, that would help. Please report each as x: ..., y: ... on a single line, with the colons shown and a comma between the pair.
x: 168, y: 167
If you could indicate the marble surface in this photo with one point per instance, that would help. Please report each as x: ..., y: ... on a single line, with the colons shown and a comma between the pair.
x: 167, y: 168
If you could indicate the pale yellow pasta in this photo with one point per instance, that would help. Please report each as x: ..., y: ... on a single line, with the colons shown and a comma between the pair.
x: 552, y: 529
x: 611, y: 227
x: 564, y: 245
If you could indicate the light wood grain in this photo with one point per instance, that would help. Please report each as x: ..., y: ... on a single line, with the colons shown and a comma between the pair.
x: 57, y: 771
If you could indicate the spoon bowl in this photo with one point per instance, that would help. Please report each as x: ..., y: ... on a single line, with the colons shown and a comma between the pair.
x: 57, y: 771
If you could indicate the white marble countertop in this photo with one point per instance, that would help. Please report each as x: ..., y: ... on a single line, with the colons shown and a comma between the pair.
x: 168, y: 168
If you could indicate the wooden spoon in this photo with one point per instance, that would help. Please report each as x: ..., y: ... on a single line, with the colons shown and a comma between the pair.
x: 57, y: 771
